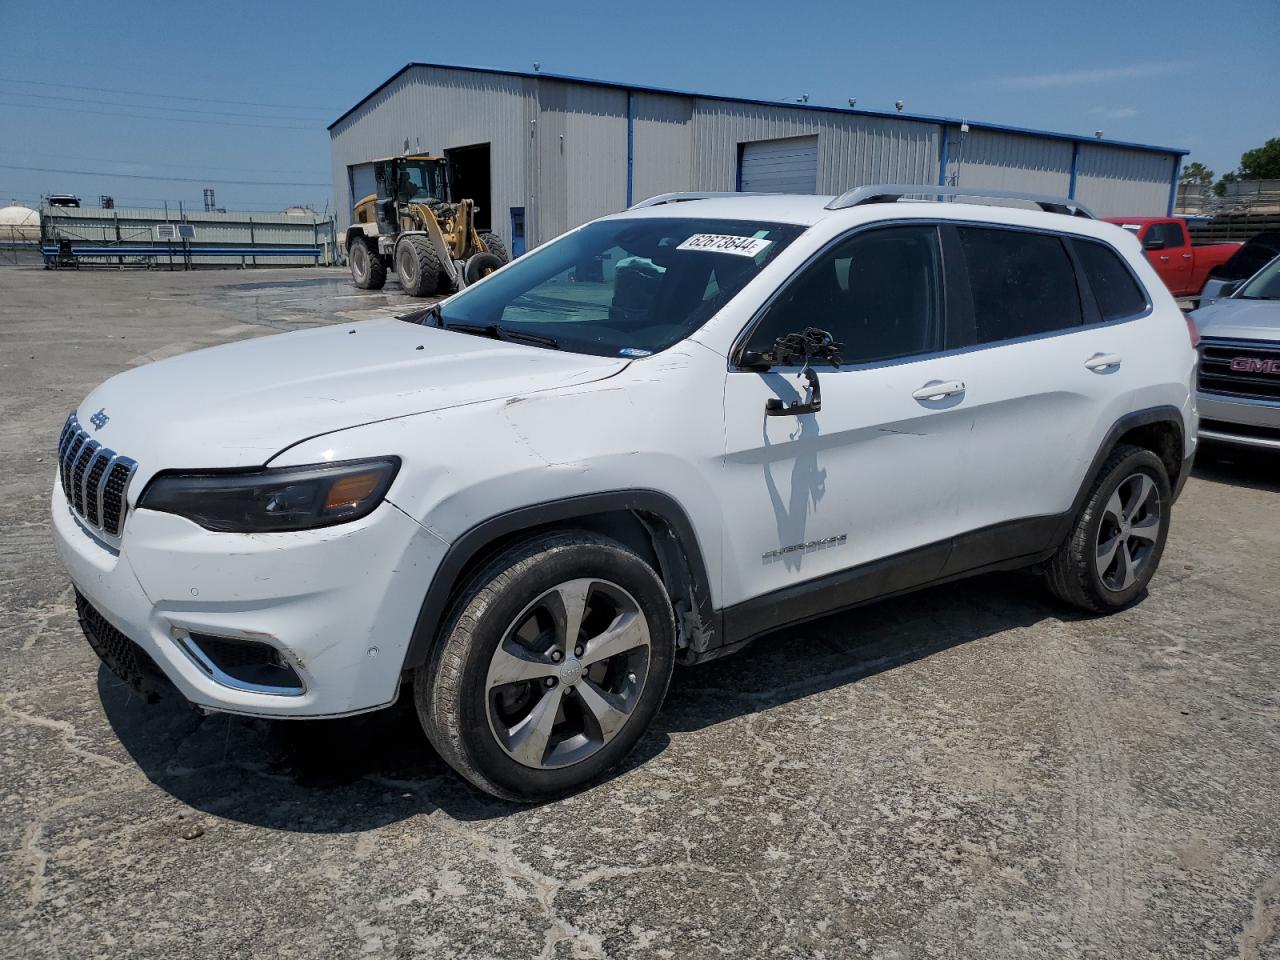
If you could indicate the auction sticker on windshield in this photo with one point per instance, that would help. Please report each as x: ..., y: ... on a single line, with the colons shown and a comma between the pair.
x: 722, y: 243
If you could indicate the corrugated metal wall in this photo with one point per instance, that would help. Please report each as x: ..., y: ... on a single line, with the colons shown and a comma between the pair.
x: 581, y: 138
x: 852, y: 149
x: 559, y: 147
x: 596, y: 142
x: 1114, y: 182
x: 435, y: 109
x: 662, y: 152
x: 548, y: 210
x: 124, y: 229
x: 1008, y: 161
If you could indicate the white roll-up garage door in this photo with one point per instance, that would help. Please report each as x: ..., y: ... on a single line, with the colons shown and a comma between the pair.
x: 780, y: 166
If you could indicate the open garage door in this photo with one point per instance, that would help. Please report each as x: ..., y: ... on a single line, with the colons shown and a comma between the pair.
x: 471, y: 178
x: 779, y: 166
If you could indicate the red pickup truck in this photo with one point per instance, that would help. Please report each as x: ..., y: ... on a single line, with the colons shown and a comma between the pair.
x: 1184, y: 268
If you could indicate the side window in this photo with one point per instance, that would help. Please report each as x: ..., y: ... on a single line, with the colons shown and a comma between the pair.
x: 1114, y: 289
x: 879, y: 293
x: 1170, y: 233
x: 1022, y: 283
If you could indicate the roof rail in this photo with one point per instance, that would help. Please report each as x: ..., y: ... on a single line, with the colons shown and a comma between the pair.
x: 662, y: 198
x: 892, y: 192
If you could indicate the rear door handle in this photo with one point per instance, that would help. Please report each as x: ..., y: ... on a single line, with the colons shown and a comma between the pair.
x: 1103, y: 362
x: 1186, y: 256
x: 939, y: 390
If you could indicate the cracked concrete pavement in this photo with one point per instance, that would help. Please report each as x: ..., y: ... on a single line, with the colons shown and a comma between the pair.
x: 967, y: 772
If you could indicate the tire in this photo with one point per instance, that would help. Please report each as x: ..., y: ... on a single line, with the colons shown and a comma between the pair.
x: 493, y: 244
x: 595, y: 711
x: 1118, y: 536
x: 368, y: 269
x: 418, y: 266
x: 480, y: 266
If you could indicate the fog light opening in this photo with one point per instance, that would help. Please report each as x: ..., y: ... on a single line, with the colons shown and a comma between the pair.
x: 248, y: 665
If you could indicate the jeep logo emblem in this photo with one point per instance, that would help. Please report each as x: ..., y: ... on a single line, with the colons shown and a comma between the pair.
x: 571, y: 671
x: 1254, y: 365
x: 99, y: 419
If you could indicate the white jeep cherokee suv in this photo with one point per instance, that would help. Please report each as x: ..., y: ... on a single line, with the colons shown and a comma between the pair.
x: 649, y: 441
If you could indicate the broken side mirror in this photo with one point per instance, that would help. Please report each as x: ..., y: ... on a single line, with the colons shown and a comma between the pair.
x: 801, y: 349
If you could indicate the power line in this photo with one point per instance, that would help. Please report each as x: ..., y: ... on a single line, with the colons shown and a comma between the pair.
x: 141, y: 176
x: 151, y: 162
x: 171, y: 96
x: 136, y: 116
x: 144, y: 106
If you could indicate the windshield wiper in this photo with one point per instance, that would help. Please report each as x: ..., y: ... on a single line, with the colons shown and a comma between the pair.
x: 427, y: 316
x: 496, y: 332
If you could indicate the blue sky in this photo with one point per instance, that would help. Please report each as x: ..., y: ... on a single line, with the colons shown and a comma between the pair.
x: 259, y: 82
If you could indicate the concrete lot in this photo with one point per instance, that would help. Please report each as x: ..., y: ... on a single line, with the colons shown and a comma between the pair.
x: 966, y: 772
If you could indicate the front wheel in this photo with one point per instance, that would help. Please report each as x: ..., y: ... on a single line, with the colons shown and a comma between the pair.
x: 556, y: 658
x: 368, y: 269
x: 1118, y: 537
x: 418, y: 265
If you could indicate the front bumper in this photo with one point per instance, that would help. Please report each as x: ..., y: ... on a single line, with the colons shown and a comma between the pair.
x: 338, y: 604
x: 1235, y: 420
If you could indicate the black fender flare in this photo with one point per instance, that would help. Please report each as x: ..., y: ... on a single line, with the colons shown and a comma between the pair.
x: 470, y: 545
x: 1130, y: 421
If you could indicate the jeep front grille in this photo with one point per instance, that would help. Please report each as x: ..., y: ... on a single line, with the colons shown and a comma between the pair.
x: 94, y: 478
x: 1240, y: 368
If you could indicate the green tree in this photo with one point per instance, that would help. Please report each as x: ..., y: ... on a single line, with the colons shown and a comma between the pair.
x: 1196, y: 172
x: 1220, y: 188
x: 1262, y: 163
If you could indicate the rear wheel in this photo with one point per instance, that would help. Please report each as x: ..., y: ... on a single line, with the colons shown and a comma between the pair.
x: 1119, y: 535
x: 557, y: 657
x: 367, y: 268
x: 493, y: 243
x: 418, y: 266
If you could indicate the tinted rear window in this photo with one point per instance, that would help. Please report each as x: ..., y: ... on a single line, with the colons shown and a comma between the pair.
x: 1114, y: 289
x: 1022, y: 283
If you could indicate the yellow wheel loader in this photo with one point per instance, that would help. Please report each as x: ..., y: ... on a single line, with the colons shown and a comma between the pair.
x: 412, y: 225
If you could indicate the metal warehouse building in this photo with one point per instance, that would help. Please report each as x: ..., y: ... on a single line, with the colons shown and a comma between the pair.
x: 541, y: 153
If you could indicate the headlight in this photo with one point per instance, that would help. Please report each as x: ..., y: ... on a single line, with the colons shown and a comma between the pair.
x: 267, y: 501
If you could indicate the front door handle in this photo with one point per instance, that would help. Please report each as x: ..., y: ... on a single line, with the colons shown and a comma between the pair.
x: 1103, y: 362
x: 939, y: 390
x: 1164, y: 257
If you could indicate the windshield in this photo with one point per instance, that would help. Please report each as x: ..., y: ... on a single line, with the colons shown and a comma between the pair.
x: 423, y: 180
x: 623, y: 288
x: 1264, y: 286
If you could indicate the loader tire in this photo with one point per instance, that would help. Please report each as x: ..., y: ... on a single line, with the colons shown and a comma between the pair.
x: 368, y: 269
x: 418, y: 266
x: 493, y: 244
x: 480, y: 266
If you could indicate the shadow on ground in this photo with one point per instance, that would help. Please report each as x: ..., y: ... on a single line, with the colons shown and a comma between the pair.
x: 1238, y: 466
x: 340, y: 776
x: 356, y: 774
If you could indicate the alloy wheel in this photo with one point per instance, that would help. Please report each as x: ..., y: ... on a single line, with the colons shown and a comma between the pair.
x: 1129, y: 532
x: 568, y: 673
